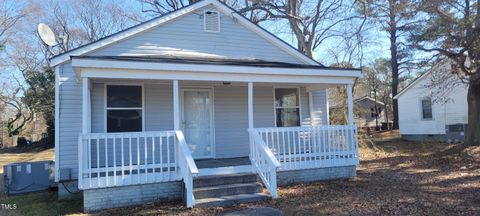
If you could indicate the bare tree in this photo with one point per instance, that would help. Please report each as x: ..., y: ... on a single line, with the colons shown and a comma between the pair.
x: 396, y: 18
x: 11, y: 12
x: 163, y: 7
x: 313, y: 22
x: 26, y: 57
x: 84, y: 21
x: 376, y: 82
x: 22, y: 113
x: 451, y: 30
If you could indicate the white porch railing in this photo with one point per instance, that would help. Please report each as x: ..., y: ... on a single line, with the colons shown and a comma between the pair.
x: 312, y: 146
x: 264, y: 162
x: 188, y: 168
x: 117, y: 159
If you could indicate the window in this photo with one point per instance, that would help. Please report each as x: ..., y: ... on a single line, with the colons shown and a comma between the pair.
x: 377, y: 113
x: 427, y: 109
x: 287, y: 108
x: 124, y: 108
x: 211, y: 21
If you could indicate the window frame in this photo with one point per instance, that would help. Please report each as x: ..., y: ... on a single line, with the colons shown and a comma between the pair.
x: 298, y: 89
x: 421, y: 109
x: 106, y: 108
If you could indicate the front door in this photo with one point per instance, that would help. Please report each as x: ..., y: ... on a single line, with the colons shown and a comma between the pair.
x: 197, y: 121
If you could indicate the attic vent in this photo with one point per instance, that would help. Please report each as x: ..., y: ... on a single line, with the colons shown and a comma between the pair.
x: 212, y: 21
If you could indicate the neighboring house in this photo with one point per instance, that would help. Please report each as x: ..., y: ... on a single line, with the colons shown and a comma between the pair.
x: 365, y: 112
x: 195, y: 105
x: 425, y: 113
x: 369, y: 113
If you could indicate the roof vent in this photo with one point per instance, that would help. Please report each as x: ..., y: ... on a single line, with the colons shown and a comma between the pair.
x: 212, y: 21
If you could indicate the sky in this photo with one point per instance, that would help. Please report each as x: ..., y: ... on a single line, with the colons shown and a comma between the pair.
x: 376, y: 41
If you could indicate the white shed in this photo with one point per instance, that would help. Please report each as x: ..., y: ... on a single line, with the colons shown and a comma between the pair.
x: 423, y: 115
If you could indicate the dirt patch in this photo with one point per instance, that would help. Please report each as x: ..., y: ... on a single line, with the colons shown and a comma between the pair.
x: 395, y: 177
x: 474, y: 152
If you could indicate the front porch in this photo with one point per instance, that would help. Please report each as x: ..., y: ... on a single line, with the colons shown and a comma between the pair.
x: 210, y: 124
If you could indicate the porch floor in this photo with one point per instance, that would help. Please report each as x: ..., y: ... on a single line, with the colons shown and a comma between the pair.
x: 224, y: 162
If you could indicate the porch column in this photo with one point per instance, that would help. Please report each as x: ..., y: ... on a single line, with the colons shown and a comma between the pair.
x: 250, y: 105
x: 176, y: 106
x: 86, y: 106
x: 350, y: 104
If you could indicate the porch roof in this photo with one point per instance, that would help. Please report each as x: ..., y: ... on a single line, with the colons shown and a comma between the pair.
x: 209, y: 60
x: 208, y: 69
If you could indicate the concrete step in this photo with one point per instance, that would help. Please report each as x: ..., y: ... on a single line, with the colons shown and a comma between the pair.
x: 230, y: 200
x: 227, y: 190
x: 214, y: 180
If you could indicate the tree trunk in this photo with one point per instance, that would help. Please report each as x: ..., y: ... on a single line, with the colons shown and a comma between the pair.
x: 394, y: 61
x: 473, y: 130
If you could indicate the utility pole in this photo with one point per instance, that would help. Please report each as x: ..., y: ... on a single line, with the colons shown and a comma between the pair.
x: 2, y: 127
x: 375, y: 111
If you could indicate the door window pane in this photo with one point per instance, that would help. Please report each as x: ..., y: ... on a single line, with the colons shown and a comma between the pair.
x: 124, y: 120
x: 124, y: 96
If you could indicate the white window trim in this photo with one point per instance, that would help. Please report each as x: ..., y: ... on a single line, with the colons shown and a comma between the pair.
x: 106, y: 108
x: 292, y: 107
x: 205, y: 21
x: 421, y: 109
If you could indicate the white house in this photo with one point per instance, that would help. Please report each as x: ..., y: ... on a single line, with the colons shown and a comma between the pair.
x: 424, y: 114
x: 196, y: 104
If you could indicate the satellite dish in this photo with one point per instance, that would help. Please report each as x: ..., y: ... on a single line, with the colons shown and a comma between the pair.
x: 46, y: 34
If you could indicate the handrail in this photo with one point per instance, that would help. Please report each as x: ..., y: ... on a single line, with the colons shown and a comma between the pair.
x: 309, y: 147
x: 132, y: 158
x: 188, y: 168
x: 264, y: 162
x: 259, y: 141
x: 186, y: 152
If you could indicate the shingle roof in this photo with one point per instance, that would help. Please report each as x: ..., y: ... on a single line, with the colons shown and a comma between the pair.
x: 207, y: 60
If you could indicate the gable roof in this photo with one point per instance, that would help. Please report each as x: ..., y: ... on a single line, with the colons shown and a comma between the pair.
x: 366, y: 98
x: 155, y: 22
x: 421, y: 77
x: 337, y: 104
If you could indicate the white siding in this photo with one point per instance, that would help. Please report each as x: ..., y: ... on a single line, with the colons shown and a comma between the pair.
x: 97, y: 93
x: 457, y: 109
x: 319, y: 105
x: 231, y: 121
x: 230, y: 105
x: 186, y: 36
x: 158, y: 107
x: 410, y: 113
x: 70, y: 119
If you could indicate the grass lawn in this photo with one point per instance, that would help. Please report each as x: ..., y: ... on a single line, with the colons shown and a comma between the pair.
x: 40, y: 203
x: 395, y: 177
